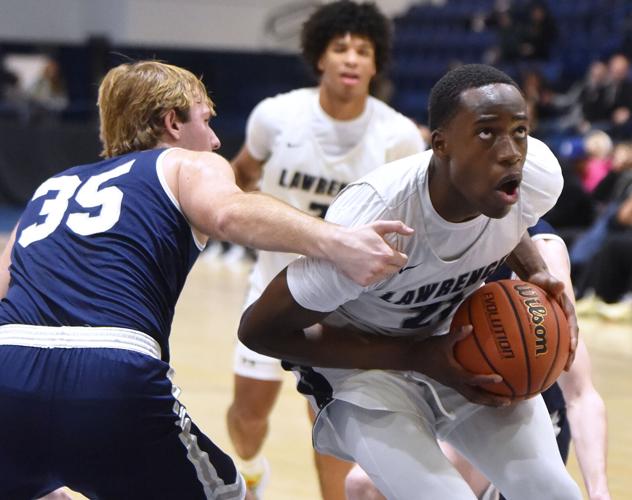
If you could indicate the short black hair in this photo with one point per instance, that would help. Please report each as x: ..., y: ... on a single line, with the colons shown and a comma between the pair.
x: 342, y: 17
x: 445, y: 96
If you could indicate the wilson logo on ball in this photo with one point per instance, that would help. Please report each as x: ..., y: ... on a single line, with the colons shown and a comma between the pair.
x: 537, y: 312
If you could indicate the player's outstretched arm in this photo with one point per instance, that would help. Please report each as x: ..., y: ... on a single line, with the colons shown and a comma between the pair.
x: 586, y: 414
x: 527, y: 262
x: 276, y: 325
x: 585, y: 408
x: 210, y: 199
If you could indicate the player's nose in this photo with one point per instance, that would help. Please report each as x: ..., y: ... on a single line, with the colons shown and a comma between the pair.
x: 215, y: 142
x: 508, y: 152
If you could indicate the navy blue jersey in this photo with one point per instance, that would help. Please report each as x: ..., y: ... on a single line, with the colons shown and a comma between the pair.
x: 103, y: 244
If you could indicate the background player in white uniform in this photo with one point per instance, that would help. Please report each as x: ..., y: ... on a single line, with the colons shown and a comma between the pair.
x: 304, y: 147
x: 581, y: 405
x: 383, y: 376
x: 89, y: 282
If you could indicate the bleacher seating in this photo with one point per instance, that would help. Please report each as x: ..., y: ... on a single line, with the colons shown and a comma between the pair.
x: 429, y: 38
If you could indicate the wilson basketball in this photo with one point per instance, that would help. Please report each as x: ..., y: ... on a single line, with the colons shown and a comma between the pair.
x: 519, y: 333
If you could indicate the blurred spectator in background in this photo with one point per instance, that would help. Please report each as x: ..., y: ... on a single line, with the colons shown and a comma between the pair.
x: 594, y: 213
x: 598, y: 147
x: 508, y: 48
x: 618, y: 97
x: 538, y: 32
x: 618, y: 180
x: 606, y: 280
x: 539, y: 98
x: 501, y: 20
x: 601, y: 254
x: 584, y: 104
x: 8, y: 82
x: 592, y: 95
x: 522, y: 33
x: 482, y: 21
x: 602, y: 101
x: 48, y: 93
x: 12, y: 99
x: 574, y: 211
x: 626, y: 37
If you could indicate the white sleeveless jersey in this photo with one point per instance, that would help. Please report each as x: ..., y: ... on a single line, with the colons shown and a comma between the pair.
x: 421, y: 298
x: 298, y: 171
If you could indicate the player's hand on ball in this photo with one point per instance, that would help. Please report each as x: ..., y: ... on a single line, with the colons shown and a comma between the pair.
x: 554, y: 287
x: 440, y: 364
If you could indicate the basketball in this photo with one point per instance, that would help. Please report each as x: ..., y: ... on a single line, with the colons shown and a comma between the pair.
x: 519, y: 333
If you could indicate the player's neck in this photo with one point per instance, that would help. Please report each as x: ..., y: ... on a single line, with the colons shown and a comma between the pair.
x: 163, y: 144
x: 340, y: 108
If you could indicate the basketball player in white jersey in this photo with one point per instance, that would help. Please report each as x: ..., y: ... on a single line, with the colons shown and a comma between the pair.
x: 381, y: 369
x: 304, y: 147
x: 577, y: 410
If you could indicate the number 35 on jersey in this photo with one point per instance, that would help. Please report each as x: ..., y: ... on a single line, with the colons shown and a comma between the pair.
x: 88, y: 195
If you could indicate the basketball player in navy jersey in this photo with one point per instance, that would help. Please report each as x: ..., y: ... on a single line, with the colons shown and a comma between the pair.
x: 582, y: 416
x: 303, y: 147
x: 89, y: 281
x: 381, y: 369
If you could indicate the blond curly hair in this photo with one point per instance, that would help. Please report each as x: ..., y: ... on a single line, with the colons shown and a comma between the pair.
x: 134, y: 99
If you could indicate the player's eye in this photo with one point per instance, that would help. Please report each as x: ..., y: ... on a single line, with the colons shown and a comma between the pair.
x: 521, y: 132
x: 485, y: 134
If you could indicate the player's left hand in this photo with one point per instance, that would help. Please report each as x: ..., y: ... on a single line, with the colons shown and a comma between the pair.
x: 436, y: 359
x: 555, y: 288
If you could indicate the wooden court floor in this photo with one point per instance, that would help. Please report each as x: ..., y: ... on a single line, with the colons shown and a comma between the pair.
x: 202, y: 344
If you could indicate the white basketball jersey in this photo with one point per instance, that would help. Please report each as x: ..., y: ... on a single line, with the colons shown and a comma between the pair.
x: 421, y: 298
x: 297, y: 170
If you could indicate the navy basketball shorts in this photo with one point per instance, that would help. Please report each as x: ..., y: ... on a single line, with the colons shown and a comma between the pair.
x: 106, y: 423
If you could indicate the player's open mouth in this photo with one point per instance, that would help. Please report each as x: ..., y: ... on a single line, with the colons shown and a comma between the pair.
x: 508, y: 188
x: 350, y: 78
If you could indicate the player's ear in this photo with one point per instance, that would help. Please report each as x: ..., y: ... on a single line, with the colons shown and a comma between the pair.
x: 321, y: 63
x: 172, y: 124
x: 438, y: 143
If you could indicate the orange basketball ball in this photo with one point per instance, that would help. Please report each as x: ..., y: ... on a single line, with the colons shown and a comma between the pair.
x: 519, y: 333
